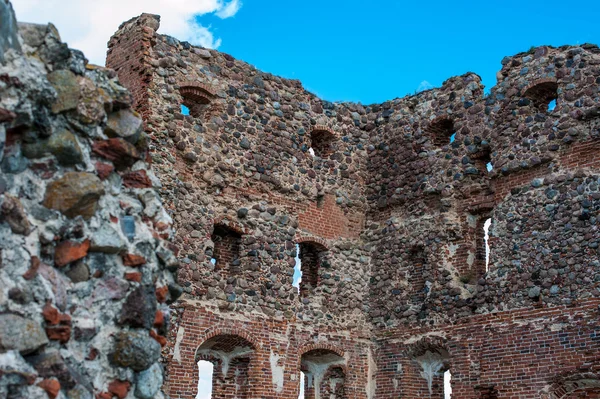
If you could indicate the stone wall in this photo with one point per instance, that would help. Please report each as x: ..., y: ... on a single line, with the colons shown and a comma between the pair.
x: 389, y: 202
x: 85, y: 265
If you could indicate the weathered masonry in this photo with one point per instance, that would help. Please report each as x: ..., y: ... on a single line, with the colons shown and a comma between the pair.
x: 446, y: 241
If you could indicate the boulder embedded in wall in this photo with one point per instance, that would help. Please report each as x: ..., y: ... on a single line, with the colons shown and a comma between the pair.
x: 134, y: 349
x: 125, y: 124
x: 108, y: 239
x: 61, y: 144
x: 12, y: 213
x: 149, y: 382
x: 74, y: 194
x: 8, y: 29
x: 21, y: 334
x: 139, y: 308
x: 67, y: 90
x: 51, y: 364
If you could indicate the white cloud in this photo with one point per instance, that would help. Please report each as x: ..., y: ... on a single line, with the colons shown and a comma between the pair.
x: 87, y: 25
x: 424, y: 85
x: 230, y: 9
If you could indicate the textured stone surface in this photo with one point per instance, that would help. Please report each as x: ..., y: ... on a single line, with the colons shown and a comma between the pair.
x: 135, y: 350
x: 74, y: 194
x: 66, y: 220
x: 21, y: 334
x: 149, y: 382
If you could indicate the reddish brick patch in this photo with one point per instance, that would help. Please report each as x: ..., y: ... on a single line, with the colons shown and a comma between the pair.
x: 33, y: 269
x: 70, y: 251
x: 103, y: 170
x: 133, y: 260
x: 51, y: 386
x: 137, y: 179
x: 119, y: 388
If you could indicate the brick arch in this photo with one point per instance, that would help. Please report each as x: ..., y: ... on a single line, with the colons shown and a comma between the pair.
x: 424, y: 344
x: 232, y: 225
x: 320, y: 346
x: 573, y: 383
x: 314, y: 240
x: 538, y: 82
x: 197, y: 87
x: 323, y: 128
x: 220, y: 330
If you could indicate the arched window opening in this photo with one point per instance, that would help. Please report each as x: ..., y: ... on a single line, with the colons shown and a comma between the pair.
x: 205, y: 379
x: 312, y: 257
x: 230, y: 357
x: 551, y: 105
x: 195, y: 100
x: 435, y: 371
x: 226, y: 251
x: 417, y: 282
x: 324, y: 375
x: 542, y: 94
x: 321, y: 143
x: 441, y: 131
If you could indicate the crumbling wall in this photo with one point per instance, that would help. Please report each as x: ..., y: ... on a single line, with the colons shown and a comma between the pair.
x: 395, y: 196
x: 85, y: 268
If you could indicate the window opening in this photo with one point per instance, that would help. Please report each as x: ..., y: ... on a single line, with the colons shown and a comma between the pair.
x: 321, y: 143
x: 302, y: 378
x: 205, y: 379
x: 483, y: 160
x: 442, y: 131
x: 542, y: 94
x: 312, y: 257
x: 297, y: 278
x: 195, y: 100
x: 226, y: 251
x: 324, y: 375
x: 551, y: 105
x: 486, y: 230
x: 447, y: 384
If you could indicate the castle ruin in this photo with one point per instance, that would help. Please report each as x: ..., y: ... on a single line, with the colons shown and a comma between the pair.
x: 449, y: 234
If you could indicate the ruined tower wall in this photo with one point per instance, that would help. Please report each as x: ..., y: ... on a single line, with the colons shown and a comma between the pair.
x: 241, y: 163
x: 395, y: 209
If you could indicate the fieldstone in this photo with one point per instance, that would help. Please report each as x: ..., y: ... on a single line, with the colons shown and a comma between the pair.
x: 134, y: 349
x: 121, y: 152
x: 148, y: 382
x: 108, y: 239
x: 70, y: 251
x: 78, y: 273
x: 74, y: 194
x: 61, y: 144
x: 51, y: 364
x: 8, y: 29
x: 21, y: 334
x: 12, y: 213
x: 67, y: 90
x: 15, y: 370
x: 125, y: 124
x: 139, y: 308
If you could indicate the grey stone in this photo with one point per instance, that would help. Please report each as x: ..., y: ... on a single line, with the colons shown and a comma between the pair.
x: 108, y: 239
x: 51, y: 364
x: 134, y: 349
x: 79, y: 272
x: 125, y: 124
x: 148, y: 382
x: 8, y: 29
x: 67, y: 90
x: 62, y: 144
x: 21, y: 334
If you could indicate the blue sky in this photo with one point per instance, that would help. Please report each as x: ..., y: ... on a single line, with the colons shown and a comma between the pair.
x: 374, y: 51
